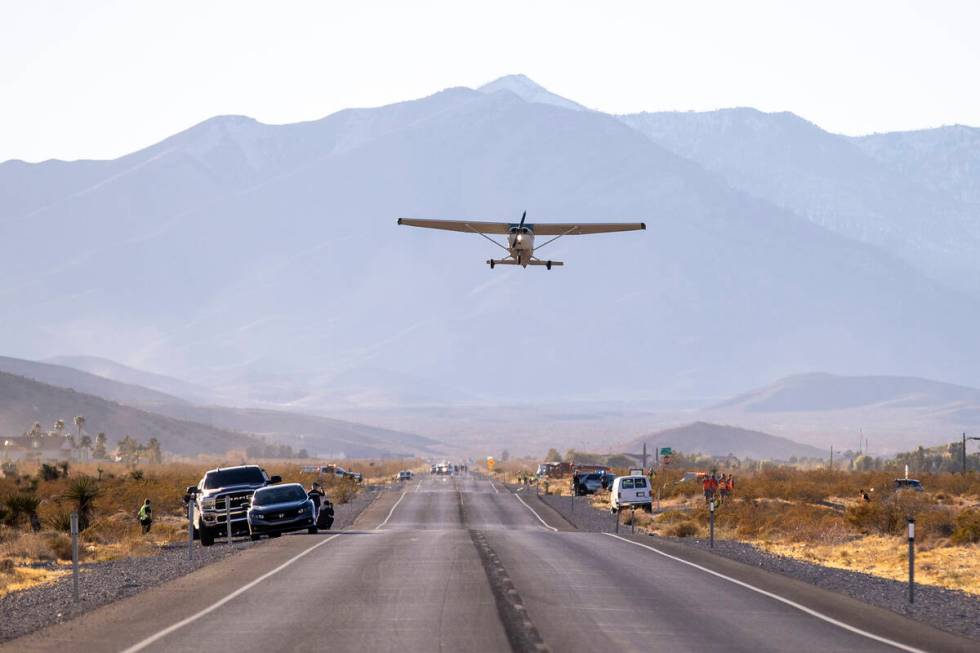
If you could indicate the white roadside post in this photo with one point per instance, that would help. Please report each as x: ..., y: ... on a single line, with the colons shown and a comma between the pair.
x: 711, y: 528
x: 911, y: 521
x: 228, y: 517
x: 190, y: 529
x: 74, y: 555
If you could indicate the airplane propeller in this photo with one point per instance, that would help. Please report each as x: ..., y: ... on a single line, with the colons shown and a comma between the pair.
x: 520, y: 227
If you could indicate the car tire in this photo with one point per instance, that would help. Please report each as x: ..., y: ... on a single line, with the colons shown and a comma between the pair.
x: 312, y: 530
x: 275, y: 534
x: 613, y: 510
x: 648, y: 507
x: 207, y: 536
x: 254, y: 537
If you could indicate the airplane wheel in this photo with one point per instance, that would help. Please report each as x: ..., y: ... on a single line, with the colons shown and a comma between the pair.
x: 492, y: 264
x: 548, y: 265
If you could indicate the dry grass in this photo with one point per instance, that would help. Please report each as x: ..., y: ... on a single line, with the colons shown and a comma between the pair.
x: 114, y: 531
x: 819, y: 516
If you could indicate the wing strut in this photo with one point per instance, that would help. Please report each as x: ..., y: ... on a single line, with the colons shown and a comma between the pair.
x: 555, y: 238
x: 488, y: 238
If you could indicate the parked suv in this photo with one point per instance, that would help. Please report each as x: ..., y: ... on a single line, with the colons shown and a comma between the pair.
x: 225, y: 492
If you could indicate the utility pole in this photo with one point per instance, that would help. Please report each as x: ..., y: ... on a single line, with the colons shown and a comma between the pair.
x: 831, y: 457
x: 644, y: 455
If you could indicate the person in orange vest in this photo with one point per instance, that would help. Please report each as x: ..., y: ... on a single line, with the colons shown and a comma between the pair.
x: 723, y: 487
x: 710, y: 485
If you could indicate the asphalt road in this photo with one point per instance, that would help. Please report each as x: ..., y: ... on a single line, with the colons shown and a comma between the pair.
x: 461, y: 564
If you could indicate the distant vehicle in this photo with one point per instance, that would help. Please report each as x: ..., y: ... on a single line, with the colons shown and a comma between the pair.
x: 225, y: 492
x: 280, y: 509
x: 554, y: 469
x: 357, y: 477
x: 630, y: 492
x: 587, y: 483
x: 404, y: 475
x: 909, y: 484
x: 520, y: 236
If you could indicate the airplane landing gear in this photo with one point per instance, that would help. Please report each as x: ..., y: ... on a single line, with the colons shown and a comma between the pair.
x: 548, y: 265
x: 492, y: 264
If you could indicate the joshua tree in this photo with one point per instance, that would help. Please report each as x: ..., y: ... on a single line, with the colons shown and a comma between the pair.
x: 83, y: 491
x: 79, y: 424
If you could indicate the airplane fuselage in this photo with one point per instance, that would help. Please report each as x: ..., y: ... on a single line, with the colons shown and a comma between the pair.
x: 520, y: 242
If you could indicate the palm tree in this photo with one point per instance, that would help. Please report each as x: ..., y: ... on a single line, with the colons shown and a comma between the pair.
x: 100, y: 442
x: 36, y: 431
x: 59, y: 427
x: 79, y: 424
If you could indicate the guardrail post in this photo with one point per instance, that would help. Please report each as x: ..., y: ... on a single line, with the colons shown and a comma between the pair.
x: 633, y: 520
x: 190, y: 529
x: 911, y: 521
x: 617, y: 519
x: 228, y: 517
x: 711, y: 528
x: 74, y: 555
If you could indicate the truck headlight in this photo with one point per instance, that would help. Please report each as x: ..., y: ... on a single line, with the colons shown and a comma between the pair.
x: 207, y: 504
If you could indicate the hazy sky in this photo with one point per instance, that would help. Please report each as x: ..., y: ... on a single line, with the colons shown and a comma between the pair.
x: 97, y: 79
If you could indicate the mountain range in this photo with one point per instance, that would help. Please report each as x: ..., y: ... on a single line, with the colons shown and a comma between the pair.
x: 44, y: 392
x: 263, y: 262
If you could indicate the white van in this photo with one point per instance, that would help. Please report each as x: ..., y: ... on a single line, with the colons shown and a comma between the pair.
x: 631, y: 492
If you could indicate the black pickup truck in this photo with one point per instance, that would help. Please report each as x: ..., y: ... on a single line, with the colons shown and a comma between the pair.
x: 225, y: 494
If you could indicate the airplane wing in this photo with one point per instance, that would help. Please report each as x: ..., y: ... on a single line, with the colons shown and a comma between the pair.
x: 468, y: 226
x: 581, y: 229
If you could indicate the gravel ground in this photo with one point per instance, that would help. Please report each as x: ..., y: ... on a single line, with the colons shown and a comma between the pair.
x: 583, y: 516
x: 950, y: 610
x: 104, y: 582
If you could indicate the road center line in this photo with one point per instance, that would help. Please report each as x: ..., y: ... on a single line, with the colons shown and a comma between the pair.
x: 391, y: 512
x: 534, y: 512
x: 214, y: 606
x: 494, y: 487
x: 781, y: 599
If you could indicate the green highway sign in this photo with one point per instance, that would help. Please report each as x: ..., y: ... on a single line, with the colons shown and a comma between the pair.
x: 666, y: 451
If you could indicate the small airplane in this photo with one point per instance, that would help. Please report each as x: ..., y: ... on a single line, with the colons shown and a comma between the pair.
x: 520, y: 236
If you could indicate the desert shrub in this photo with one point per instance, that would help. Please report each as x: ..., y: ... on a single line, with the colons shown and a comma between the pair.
x: 137, y: 475
x: 967, y: 527
x: 60, y: 521
x: 18, y: 506
x: 684, y: 529
x: 938, y: 522
x: 342, y: 490
x: 48, y: 472
x: 60, y: 545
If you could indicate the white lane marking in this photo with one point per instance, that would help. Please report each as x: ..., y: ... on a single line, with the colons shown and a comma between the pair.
x: 214, y: 606
x: 781, y: 599
x: 391, y: 512
x: 546, y: 525
x: 419, y: 486
x: 494, y: 487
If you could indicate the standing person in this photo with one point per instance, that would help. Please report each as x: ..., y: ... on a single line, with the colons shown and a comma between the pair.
x: 709, y: 492
x: 724, y: 488
x: 146, y: 516
x: 316, y: 496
